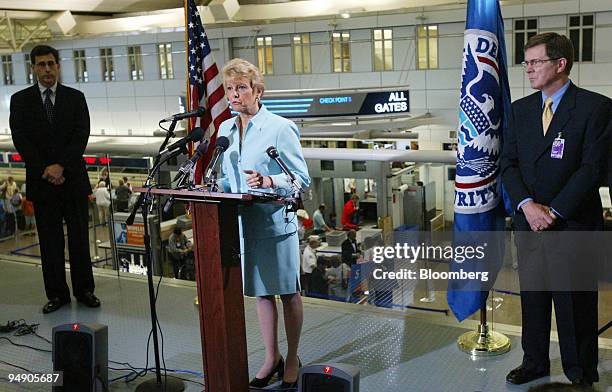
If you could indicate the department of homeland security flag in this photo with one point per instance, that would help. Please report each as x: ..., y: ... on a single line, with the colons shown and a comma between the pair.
x: 483, y: 114
x: 205, y: 85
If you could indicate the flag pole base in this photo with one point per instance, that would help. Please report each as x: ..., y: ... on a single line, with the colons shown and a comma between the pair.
x: 484, y: 343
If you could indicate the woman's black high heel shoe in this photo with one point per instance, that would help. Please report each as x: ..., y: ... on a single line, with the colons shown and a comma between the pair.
x: 289, y: 385
x: 262, y: 382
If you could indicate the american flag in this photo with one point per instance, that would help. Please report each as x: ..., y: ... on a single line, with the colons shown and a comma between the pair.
x: 205, y: 84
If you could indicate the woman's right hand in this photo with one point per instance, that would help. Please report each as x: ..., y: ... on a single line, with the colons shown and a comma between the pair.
x: 257, y: 180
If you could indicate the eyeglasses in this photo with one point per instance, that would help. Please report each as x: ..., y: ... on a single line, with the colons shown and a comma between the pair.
x: 536, y: 62
x: 43, y: 64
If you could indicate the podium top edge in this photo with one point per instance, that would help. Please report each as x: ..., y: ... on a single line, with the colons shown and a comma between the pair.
x: 197, y: 194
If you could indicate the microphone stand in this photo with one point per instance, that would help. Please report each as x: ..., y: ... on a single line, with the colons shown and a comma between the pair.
x: 154, y: 168
x: 211, y: 182
x: 145, y: 201
x: 183, y: 182
x: 291, y: 202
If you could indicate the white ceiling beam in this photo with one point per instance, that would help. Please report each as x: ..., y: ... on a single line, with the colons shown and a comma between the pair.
x: 9, y: 23
x: 169, y: 18
x: 28, y: 15
x: 32, y: 33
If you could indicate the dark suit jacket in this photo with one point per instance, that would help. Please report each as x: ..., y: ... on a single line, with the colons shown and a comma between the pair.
x: 610, y: 160
x: 348, y: 252
x: 41, y: 144
x: 569, y: 185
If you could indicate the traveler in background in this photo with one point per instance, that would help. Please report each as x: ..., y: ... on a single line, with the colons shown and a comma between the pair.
x: 350, y: 249
x: 318, y: 218
x: 349, y: 213
x: 103, y: 202
x: 179, y: 249
x: 28, y: 212
x: 9, y: 187
x: 104, y: 176
x: 319, y: 281
x: 338, y: 276
x: 122, y: 195
x: 127, y: 183
x: 302, y: 216
x: 309, y: 262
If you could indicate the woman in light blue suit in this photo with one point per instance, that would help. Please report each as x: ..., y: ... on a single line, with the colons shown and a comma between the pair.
x: 270, y: 247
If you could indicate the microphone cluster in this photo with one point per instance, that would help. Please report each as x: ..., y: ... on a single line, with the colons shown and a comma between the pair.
x: 180, y: 147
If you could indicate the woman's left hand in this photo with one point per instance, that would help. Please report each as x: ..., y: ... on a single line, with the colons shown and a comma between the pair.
x: 257, y: 180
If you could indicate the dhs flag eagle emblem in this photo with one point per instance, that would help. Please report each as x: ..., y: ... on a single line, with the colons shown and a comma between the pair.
x: 479, y: 133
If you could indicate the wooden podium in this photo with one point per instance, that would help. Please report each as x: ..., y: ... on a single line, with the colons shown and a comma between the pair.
x: 219, y: 281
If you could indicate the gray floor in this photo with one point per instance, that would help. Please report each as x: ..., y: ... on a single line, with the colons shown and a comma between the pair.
x: 395, y: 351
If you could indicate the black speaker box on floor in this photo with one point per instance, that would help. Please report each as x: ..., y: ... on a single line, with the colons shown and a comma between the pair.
x: 80, y: 351
x: 332, y: 377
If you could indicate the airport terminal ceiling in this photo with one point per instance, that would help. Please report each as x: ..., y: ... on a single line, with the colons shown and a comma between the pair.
x: 25, y: 22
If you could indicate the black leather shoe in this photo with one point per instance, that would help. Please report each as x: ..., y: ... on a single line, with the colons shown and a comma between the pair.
x: 262, y: 382
x: 54, y: 304
x: 522, y: 375
x: 89, y: 299
x: 291, y: 385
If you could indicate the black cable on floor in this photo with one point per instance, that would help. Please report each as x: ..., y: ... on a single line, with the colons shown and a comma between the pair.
x: 138, y: 372
x: 24, y: 345
x: 158, y: 325
x: 16, y: 366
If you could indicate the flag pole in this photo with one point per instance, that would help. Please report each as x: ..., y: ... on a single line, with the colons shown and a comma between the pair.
x: 188, y: 95
x: 483, y: 342
x: 480, y: 134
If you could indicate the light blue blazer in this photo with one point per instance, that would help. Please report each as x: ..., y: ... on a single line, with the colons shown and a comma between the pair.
x: 264, y: 130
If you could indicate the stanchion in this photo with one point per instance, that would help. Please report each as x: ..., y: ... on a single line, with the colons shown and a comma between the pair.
x: 483, y: 342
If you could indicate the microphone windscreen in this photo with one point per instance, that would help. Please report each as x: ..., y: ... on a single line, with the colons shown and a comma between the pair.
x: 222, y: 143
x: 272, y: 152
x: 196, y: 134
x: 201, y: 111
x: 202, y: 147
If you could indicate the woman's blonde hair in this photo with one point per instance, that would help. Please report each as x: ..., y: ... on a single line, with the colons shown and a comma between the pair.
x: 239, y: 68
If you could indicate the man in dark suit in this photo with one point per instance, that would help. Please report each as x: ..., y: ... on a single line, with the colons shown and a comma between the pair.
x: 350, y: 249
x: 50, y: 128
x: 552, y: 163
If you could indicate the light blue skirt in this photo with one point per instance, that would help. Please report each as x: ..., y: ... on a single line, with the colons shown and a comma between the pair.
x: 271, y: 266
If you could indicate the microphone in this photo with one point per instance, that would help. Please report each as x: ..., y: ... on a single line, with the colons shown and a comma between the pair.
x: 291, y: 204
x: 199, y: 112
x: 188, y: 165
x: 221, y: 145
x: 178, y: 147
x: 273, y: 153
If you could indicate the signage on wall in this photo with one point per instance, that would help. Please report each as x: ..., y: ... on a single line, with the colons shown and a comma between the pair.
x: 116, y: 162
x: 327, y: 105
x: 139, y: 163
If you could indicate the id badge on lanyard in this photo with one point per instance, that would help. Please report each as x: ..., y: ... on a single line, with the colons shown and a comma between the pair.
x: 557, y: 147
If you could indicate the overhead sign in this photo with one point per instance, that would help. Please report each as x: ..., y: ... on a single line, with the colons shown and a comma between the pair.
x: 327, y: 105
x: 141, y: 163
